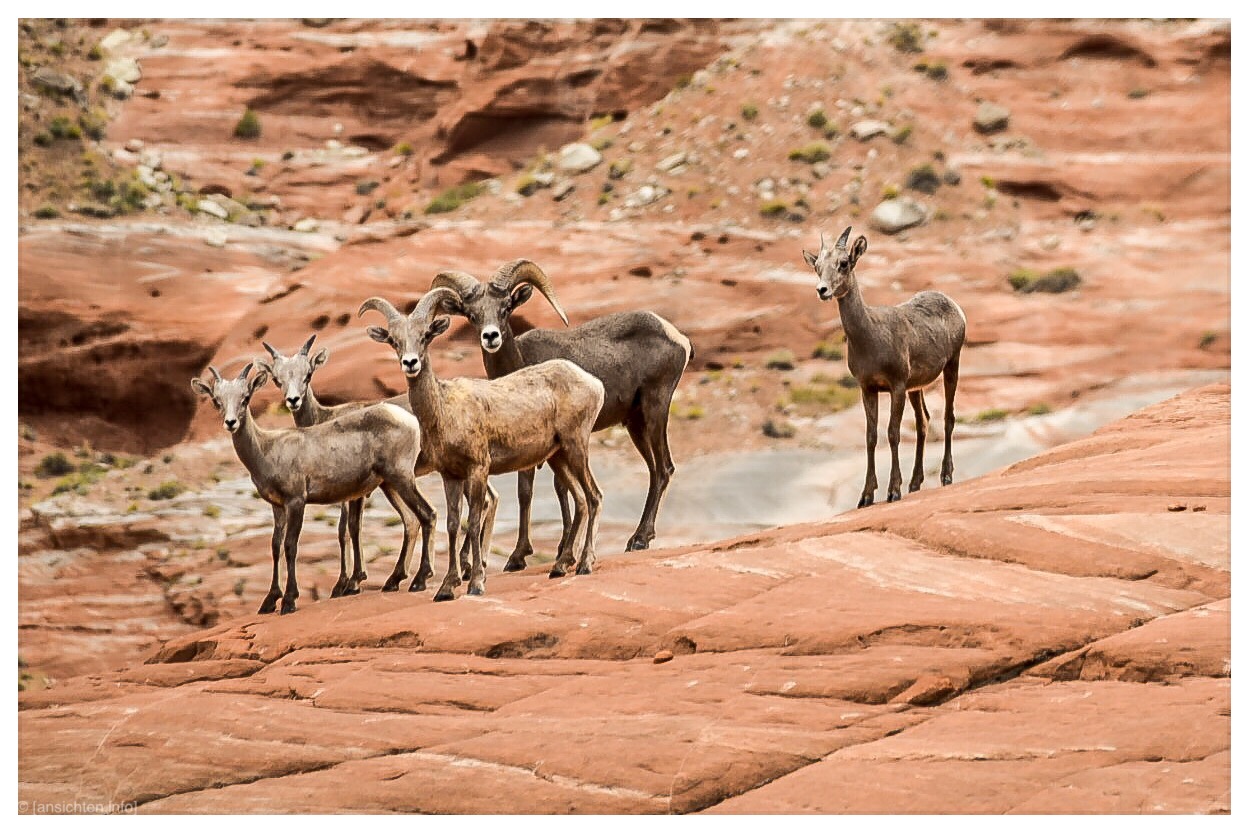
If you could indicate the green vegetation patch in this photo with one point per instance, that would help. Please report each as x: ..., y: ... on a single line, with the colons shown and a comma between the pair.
x: 1054, y: 282
x: 811, y: 153
x: 452, y: 198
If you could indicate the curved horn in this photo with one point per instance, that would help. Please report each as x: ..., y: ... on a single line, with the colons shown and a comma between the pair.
x: 512, y: 274
x: 307, y: 346
x: 272, y: 351
x: 215, y: 375
x: 382, y: 305
x: 245, y: 371
x: 461, y: 283
x: 435, y: 302
x: 844, y: 241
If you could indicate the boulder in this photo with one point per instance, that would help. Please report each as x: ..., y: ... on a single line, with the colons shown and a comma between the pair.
x: 894, y: 215
x: 864, y: 131
x: 114, y: 39
x: 57, y: 82
x: 124, y: 69
x: 991, y: 118
x: 578, y: 158
x: 213, y: 208
x: 307, y: 224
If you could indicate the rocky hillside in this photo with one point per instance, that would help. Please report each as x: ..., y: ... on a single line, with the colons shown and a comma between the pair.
x: 1051, y: 638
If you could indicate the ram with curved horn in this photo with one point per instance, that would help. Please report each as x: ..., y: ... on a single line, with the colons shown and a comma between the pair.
x: 638, y: 356
x: 899, y: 350
x: 473, y: 428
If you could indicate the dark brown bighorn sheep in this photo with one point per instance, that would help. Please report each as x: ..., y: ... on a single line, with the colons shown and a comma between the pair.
x: 293, y: 376
x: 334, y: 462
x: 474, y: 428
x: 894, y: 349
x: 638, y: 356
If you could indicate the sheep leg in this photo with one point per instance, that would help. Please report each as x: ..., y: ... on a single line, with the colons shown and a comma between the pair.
x: 487, y: 524
x: 587, y: 488
x: 399, y: 573
x: 454, y: 490
x: 294, y: 525
x: 921, y: 419
x: 871, y: 406
x: 343, y: 573
x: 564, y: 488
x: 478, y: 485
x: 897, y: 410
x: 279, y: 531
x: 355, y: 510
x: 951, y: 387
x: 524, y: 545
x: 637, y: 431
x: 427, y: 515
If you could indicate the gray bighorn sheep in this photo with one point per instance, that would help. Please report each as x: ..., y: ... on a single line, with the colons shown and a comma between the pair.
x: 293, y: 376
x: 895, y: 349
x: 475, y: 427
x: 638, y: 356
x: 329, y: 463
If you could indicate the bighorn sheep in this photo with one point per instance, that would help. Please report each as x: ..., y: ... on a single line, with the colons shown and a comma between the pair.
x: 293, y: 376
x: 334, y: 462
x: 474, y: 428
x: 638, y: 356
x: 896, y: 349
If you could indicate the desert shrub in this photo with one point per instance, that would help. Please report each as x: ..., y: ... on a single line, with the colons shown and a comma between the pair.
x: 827, y: 351
x: 923, y: 179
x: 902, y: 135
x: 248, y: 126
x: 47, y: 212
x: 62, y: 128
x: 54, y: 465
x: 452, y: 198
x: 992, y: 414
x: 778, y: 429
x: 906, y: 37
x: 749, y: 112
x: 1054, y: 282
x: 817, y: 119
x: 1039, y: 409
x: 773, y: 208
x: 404, y: 149
x: 781, y: 360
x: 94, y: 123
x: 811, y: 153
x: 166, y: 490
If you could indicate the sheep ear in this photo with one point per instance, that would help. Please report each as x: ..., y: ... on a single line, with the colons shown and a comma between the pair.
x: 859, y: 249
x: 522, y: 294
x: 810, y: 258
x: 257, y: 381
x: 379, y: 334
x: 439, y: 326
x: 202, y: 389
x: 264, y: 365
x: 320, y: 358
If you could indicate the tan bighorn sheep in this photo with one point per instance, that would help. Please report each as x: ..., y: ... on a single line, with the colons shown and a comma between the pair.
x: 474, y: 428
x: 334, y: 462
x: 894, y: 349
x: 638, y: 356
x: 293, y: 376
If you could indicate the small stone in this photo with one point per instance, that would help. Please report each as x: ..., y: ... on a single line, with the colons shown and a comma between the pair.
x: 208, y: 206
x: 152, y: 159
x: 894, y: 215
x: 820, y: 169
x: 991, y: 118
x: 124, y: 69
x: 307, y: 224
x: 1198, y: 508
x: 159, y: 41
x: 216, y: 239
x: 562, y: 190
x: 1050, y: 242
x: 674, y: 161
x: 577, y: 157
x: 864, y: 131
x: 740, y: 153
x: 114, y: 39
x: 544, y: 179
x: 134, y: 145
x: 928, y: 690
x: 122, y: 90
x: 1177, y: 507
x: 663, y: 656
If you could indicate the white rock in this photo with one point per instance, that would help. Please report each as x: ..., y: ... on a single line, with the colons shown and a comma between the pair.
x: 544, y: 179
x: 122, y: 90
x: 124, y: 69
x: 893, y: 215
x: 333, y: 144
x: 990, y: 118
x: 308, y: 224
x: 561, y: 190
x: 675, y: 160
x: 216, y: 238
x: 740, y: 153
x: 114, y: 39
x: 152, y: 159
x: 337, y: 128
x: 134, y: 145
x: 208, y: 206
x: 866, y: 130
x: 577, y: 157
x: 645, y: 195
x: 1050, y: 242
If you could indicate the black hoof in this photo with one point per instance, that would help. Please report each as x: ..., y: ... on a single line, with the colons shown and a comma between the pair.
x: 445, y: 595
x: 865, y: 501
x: 288, y: 607
x: 558, y: 571
x: 352, y: 589
x: 336, y: 591
x: 476, y: 590
x: 946, y: 479
x: 894, y: 496
x: 513, y: 565
x: 584, y: 569
x: 914, y: 486
x: 392, y: 584
x: 417, y: 585
x: 636, y: 544
x: 268, y: 605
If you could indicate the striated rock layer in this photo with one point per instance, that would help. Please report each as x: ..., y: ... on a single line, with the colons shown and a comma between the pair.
x: 1049, y: 638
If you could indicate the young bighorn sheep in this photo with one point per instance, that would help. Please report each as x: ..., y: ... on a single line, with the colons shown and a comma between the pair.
x: 895, y: 349
x: 334, y: 462
x: 474, y: 428
x: 638, y: 356
x: 293, y: 376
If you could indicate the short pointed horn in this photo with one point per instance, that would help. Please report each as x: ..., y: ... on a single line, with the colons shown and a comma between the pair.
x: 243, y: 373
x: 844, y: 240
x: 307, y: 346
x: 512, y: 274
x: 272, y: 351
x: 381, y: 305
x: 215, y: 375
x: 461, y: 283
x: 436, y: 302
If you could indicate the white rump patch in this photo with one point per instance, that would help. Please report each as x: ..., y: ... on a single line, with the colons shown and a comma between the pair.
x: 402, y: 416
x: 676, y: 335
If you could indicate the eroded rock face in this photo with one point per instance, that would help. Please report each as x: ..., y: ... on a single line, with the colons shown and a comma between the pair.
x: 1083, y: 667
